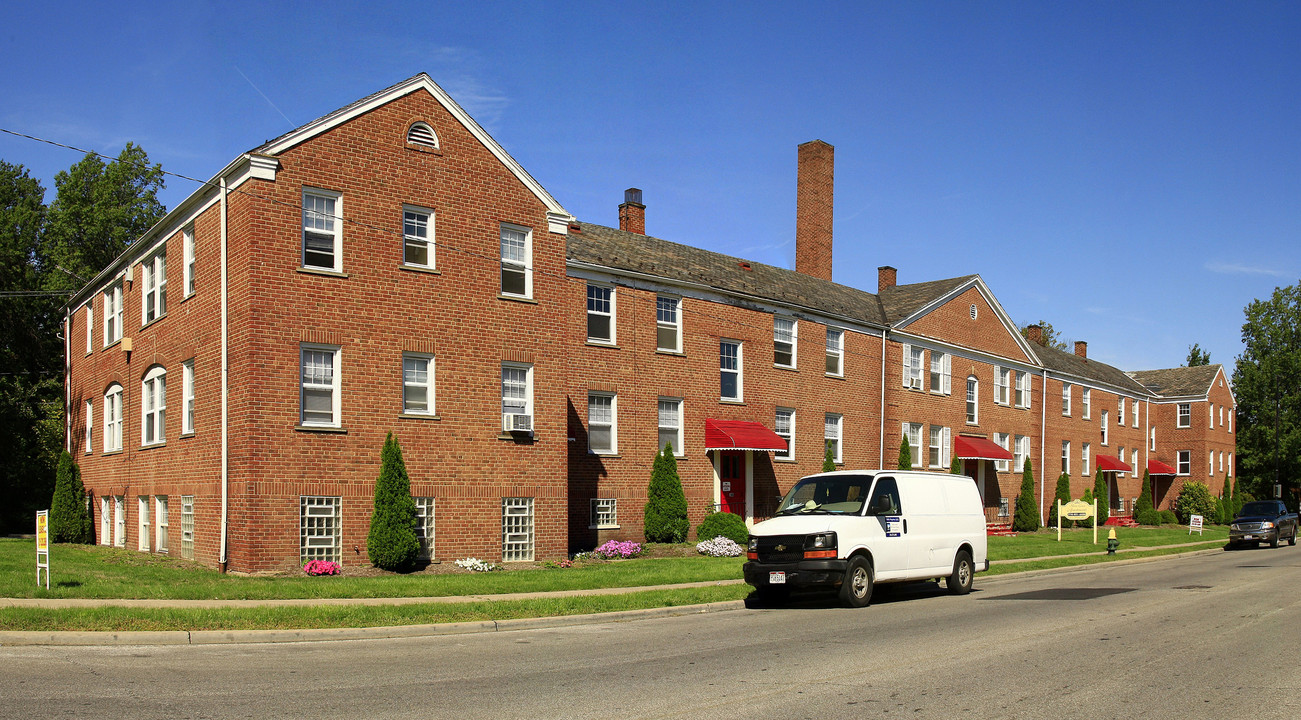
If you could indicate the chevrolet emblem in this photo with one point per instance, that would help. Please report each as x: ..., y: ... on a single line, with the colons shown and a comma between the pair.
x: 780, y: 548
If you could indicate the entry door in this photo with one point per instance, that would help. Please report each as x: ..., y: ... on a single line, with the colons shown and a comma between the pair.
x: 731, y: 481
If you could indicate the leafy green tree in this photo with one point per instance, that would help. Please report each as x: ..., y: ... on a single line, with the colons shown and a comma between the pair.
x: 392, y: 543
x: 665, y: 518
x: 1027, y: 512
x: 1048, y: 335
x: 1197, y: 356
x: 1265, y: 383
x: 69, y: 518
x: 829, y: 460
x: 1102, y: 494
x: 905, y: 455
x: 1063, y: 495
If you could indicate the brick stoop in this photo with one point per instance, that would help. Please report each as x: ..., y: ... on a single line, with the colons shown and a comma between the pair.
x: 1000, y: 529
x: 1120, y: 521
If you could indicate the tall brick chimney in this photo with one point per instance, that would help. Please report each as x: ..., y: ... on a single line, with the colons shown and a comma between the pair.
x: 1081, y: 348
x: 813, y: 203
x: 1035, y: 334
x: 886, y: 277
x: 632, y: 214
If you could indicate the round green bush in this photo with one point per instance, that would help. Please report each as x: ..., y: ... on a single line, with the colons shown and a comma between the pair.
x: 1148, y: 517
x: 728, y: 525
x: 1168, y: 517
x: 1196, y: 499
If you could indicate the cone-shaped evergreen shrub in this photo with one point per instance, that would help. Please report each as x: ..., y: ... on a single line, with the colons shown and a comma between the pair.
x: 828, y: 462
x: 666, y: 504
x: 1144, y: 513
x: 905, y: 455
x: 392, y: 543
x: 1064, y: 496
x: 1027, y: 512
x: 1103, y: 495
x: 956, y: 467
x: 729, y: 525
x: 1227, y: 511
x: 69, y: 520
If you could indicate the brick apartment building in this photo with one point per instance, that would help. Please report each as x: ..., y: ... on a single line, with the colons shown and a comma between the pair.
x: 389, y: 267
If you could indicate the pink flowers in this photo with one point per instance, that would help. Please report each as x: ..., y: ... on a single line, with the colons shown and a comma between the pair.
x: 617, y: 549
x: 321, y: 567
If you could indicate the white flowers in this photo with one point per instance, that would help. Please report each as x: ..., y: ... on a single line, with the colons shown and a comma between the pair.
x: 476, y: 565
x: 719, y: 547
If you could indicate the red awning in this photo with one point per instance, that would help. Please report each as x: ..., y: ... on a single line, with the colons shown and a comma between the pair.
x: 1156, y: 467
x: 974, y: 448
x: 740, y: 435
x: 1109, y: 463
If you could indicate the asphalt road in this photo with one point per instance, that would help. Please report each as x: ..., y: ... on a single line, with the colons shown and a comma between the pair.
x: 1208, y: 636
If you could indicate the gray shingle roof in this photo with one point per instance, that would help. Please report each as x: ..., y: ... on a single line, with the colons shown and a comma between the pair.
x: 1178, y: 382
x: 901, y: 301
x: 1071, y: 364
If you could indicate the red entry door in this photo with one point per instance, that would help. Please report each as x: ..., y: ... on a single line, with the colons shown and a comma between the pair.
x: 731, y: 477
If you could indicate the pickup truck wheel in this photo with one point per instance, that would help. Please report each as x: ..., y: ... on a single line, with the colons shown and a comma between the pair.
x: 856, y: 589
x: 1273, y: 542
x: 1292, y: 540
x: 964, y: 571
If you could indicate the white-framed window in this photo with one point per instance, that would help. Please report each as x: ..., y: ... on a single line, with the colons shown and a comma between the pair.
x: 119, y: 521
x: 1002, y: 379
x: 1211, y: 416
x: 1232, y: 411
x: 1133, y: 462
x: 1221, y: 416
x: 516, y: 529
x: 113, y: 313
x: 913, y: 358
x: 973, y: 400
x: 320, y: 396
x: 832, y: 434
x: 319, y: 528
x: 105, y: 522
x: 784, y: 426
x: 1184, y: 462
x: 1104, y: 427
x: 1221, y: 461
x: 1004, y: 506
x: 835, y: 352
x: 1120, y: 454
x: 113, y: 418
x: 938, y: 457
x: 90, y: 326
x: 187, y: 527
x: 1004, y: 441
x: 941, y: 372
x: 1184, y: 415
x: 322, y: 241
x: 1066, y: 399
x: 729, y: 369
x: 600, y: 313
x: 1022, y: 389
x: 1021, y: 451
x: 90, y: 424
x: 1066, y: 457
x: 913, y: 432
x: 187, y: 272
x: 1086, y: 402
x: 668, y: 323
x: 1120, y: 412
x: 670, y: 424
x: 187, y: 397
x: 602, y: 423
x: 1134, y: 406
x: 1230, y: 471
x: 417, y: 384
x: 1120, y: 505
x: 784, y: 333
x: 153, y: 407
x: 1210, y: 463
x: 417, y: 237
x: 142, y: 532
x: 516, y: 261
x: 160, y: 523
x: 605, y: 513
x: 1084, y: 459
x: 1151, y: 438
x: 425, y: 526
x: 516, y: 396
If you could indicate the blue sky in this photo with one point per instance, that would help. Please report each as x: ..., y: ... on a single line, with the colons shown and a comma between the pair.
x: 1126, y: 171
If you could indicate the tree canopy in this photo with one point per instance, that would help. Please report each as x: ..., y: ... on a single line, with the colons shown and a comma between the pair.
x: 1049, y: 337
x: 1266, y: 386
x: 1197, y: 356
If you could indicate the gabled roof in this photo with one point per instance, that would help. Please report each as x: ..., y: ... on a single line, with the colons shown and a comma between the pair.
x: 1065, y: 363
x: 902, y: 301
x: 602, y: 246
x: 1180, y: 381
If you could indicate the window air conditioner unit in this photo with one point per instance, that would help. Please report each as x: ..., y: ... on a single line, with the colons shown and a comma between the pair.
x: 517, y: 423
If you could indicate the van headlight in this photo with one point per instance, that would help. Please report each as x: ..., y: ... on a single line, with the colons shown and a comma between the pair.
x: 820, y: 545
x: 753, y: 545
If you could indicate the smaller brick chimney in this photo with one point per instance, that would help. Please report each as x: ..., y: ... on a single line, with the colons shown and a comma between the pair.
x: 886, y: 277
x: 1035, y: 334
x: 632, y: 214
x: 1081, y: 348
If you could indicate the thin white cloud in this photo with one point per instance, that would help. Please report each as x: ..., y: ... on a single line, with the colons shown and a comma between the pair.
x: 1236, y: 269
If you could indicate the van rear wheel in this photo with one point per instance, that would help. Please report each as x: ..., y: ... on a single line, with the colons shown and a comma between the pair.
x: 856, y: 589
x: 964, y: 571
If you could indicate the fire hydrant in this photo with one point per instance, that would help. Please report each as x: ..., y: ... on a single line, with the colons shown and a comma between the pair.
x: 1112, y: 542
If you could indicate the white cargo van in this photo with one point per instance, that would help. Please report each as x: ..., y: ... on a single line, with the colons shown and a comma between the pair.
x: 851, y: 529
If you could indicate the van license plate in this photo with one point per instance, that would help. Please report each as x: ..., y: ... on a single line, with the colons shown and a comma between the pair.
x: 776, y: 578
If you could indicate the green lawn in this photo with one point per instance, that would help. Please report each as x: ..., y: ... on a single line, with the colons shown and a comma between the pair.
x: 1044, y: 542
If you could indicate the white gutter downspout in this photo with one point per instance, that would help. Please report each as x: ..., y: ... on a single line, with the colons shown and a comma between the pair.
x: 225, y: 385
x: 1043, y: 437
x: 67, y: 381
x: 880, y: 443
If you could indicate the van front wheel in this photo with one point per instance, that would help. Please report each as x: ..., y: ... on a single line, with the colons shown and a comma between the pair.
x: 964, y: 571
x: 856, y: 589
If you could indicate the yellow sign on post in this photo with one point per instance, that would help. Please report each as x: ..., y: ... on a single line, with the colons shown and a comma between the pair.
x: 1077, y: 510
x: 43, y: 546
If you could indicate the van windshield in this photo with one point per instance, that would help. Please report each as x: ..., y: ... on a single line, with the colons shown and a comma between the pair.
x: 827, y: 494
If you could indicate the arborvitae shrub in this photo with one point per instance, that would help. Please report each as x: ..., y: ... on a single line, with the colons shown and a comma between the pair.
x: 1088, y: 500
x: 666, y: 503
x: 69, y: 519
x: 905, y: 455
x: 1227, y: 508
x: 1064, y: 496
x: 1027, y: 512
x: 956, y: 467
x: 828, y: 462
x: 1103, y: 495
x: 729, y: 525
x: 392, y: 543
x: 1144, y: 497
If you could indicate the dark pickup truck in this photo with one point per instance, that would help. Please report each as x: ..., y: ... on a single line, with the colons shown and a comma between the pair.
x: 1263, y: 521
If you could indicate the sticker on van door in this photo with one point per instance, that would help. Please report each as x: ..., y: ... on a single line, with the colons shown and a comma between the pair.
x: 893, y: 527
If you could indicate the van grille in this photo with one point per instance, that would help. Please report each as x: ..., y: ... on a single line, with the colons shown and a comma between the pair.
x: 791, y: 548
